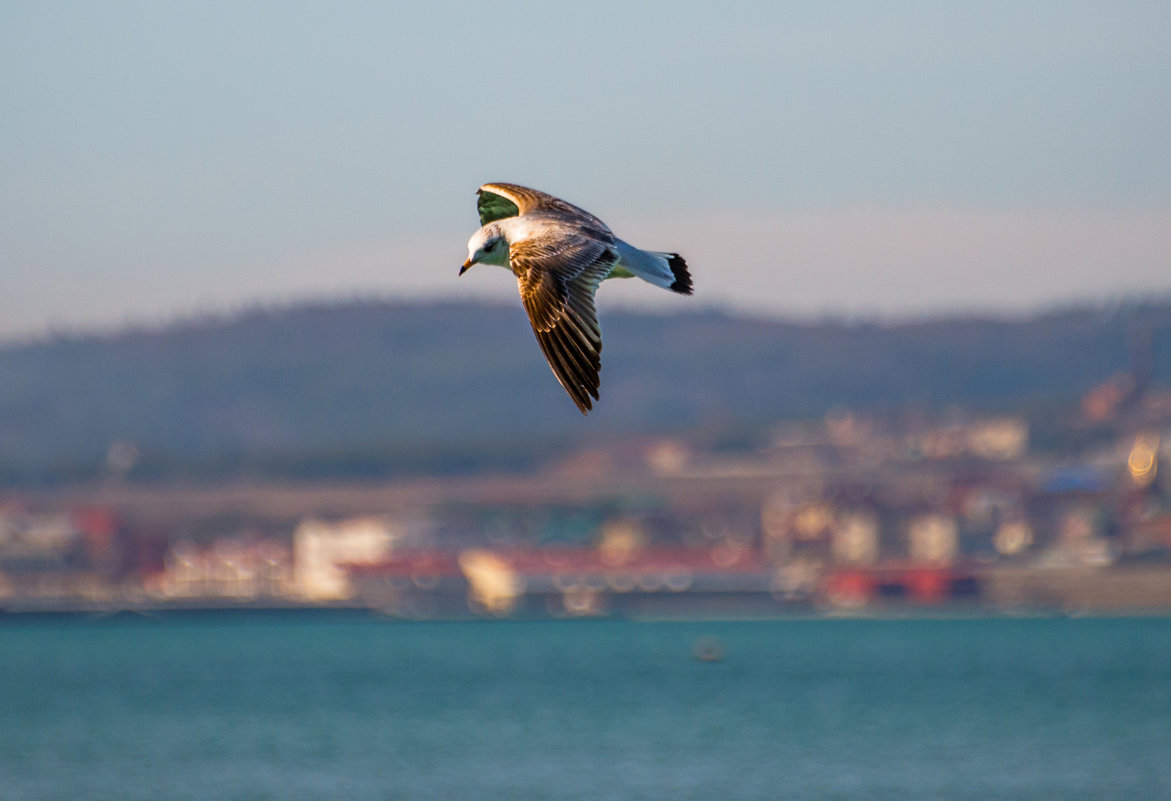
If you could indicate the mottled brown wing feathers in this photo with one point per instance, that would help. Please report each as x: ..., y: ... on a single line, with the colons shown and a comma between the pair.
x: 557, y: 288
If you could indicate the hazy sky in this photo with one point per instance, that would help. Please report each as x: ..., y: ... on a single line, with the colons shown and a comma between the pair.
x: 850, y: 157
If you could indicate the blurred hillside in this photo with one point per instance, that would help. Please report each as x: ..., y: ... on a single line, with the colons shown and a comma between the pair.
x: 386, y: 388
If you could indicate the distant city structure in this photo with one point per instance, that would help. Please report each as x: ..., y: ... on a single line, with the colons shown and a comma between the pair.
x: 324, y: 552
x: 851, y: 514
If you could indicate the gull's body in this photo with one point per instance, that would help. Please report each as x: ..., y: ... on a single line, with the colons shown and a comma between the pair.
x: 559, y: 255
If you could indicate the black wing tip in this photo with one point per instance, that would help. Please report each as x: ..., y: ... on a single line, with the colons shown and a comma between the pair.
x: 587, y: 404
x: 580, y: 380
x: 678, y: 266
x: 580, y: 395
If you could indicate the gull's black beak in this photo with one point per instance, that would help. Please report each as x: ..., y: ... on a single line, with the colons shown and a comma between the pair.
x: 465, y: 266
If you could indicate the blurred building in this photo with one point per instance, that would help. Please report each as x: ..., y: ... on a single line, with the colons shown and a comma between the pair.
x: 228, y: 568
x: 323, y: 550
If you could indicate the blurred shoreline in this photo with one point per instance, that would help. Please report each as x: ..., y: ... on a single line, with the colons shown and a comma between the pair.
x: 839, y: 469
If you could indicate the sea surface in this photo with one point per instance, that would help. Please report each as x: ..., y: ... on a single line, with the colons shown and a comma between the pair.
x: 300, y: 707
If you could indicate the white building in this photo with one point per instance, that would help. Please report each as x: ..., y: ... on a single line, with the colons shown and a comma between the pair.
x: 321, y: 551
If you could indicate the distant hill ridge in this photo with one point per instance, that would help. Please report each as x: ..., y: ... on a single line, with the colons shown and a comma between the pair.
x: 383, y: 386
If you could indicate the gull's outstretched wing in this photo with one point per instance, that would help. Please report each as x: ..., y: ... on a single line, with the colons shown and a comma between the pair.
x: 557, y: 280
x: 497, y: 201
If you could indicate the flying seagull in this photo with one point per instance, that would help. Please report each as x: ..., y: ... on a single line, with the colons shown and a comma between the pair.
x: 559, y: 254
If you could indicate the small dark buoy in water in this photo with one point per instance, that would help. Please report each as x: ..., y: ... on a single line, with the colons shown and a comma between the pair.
x: 707, y: 649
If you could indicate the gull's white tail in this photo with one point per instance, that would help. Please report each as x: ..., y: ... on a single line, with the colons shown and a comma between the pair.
x: 667, y: 270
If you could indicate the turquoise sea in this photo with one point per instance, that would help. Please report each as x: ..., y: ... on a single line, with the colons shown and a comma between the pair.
x: 300, y: 707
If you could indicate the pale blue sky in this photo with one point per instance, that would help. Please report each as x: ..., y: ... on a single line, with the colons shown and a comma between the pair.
x: 850, y: 157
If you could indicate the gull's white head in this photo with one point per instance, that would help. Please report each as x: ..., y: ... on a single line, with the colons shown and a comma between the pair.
x: 487, y: 246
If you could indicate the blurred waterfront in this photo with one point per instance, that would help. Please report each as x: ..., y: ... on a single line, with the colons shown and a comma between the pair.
x: 240, y: 707
x: 791, y: 471
x: 849, y: 514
